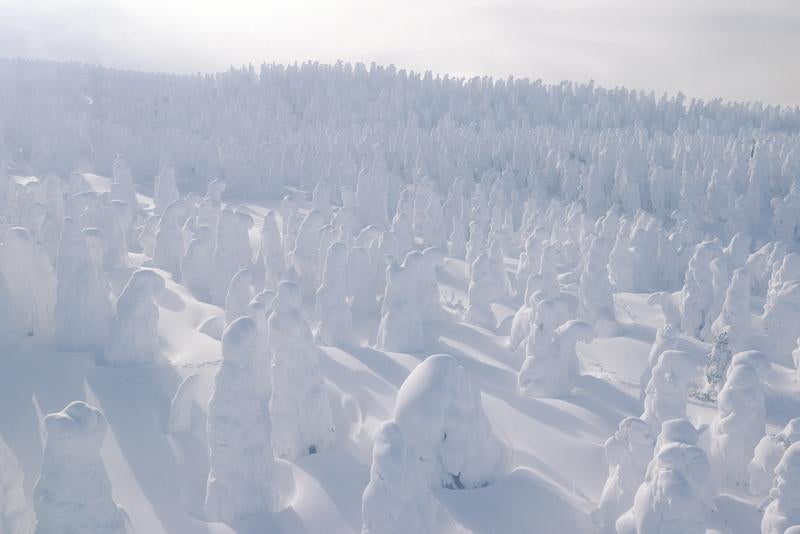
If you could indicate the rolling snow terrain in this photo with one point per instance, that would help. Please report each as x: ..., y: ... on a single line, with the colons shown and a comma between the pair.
x: 338, y: 298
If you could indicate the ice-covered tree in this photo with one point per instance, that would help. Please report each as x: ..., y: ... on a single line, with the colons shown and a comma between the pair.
x: 304, y: 257
x: 240, y: 479
x: 397, y: 499
x: 166, y: 189
x: 360, y: 281
x: 551, y: 362
x: 83, y: 308
x: 697, y: 296
x: 738, y: 426
x: 133, y: 338
x: 781, y: 321
x: 232, y: 251
x: 667, y: 338
x: 482, y: 289
x: 784, y: 510
x: 16, y: 514
x: 197, y: 265
x: 302, y: 423
x: 596, y: 302
x: 334, y: 316
x: 628, y: 453
x: 271, y: 252
x: 670, y: 500
x: 240, y: 293
x: 768, y: 454
x: 169, y: 246
x: 73, y: 492
x: 735, y: 314
x: 666, y: 392
x: 401, y: 328
x: 30, y: 279
x: 439, y: 411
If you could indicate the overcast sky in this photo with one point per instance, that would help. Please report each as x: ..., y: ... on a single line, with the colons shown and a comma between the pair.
x: 735, y: 49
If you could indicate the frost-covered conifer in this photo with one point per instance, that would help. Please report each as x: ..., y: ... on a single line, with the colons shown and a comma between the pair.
x: 301, y: 414
x: 240, y: 480
x: 31, y: 281
x: 197, y: 265
x: 73, y: 492
x: 697, y: 297
x: 628, y: 453
x: 670, y: 500
x: 481, y: 291
x: 271, y: 252
x: 551, y: 363
x: 784, y: 510
x: 133, y: 339
x: 305, y: 255
x: 401, y: 328
x: 666, y: 339
x: 767, y: 455
x: 738, y: 426
x: 334, y: 317
x: 666, y: 392
x: 596, y: 302
x: 166, y: 189
x: 16, y: 515
x: 735, y: 314
x: 439, y: 411
x: 83, y: 308
x: 781, y: 321
x: 360, y: 281
x: 240, y: 293
x: 232, y: 251
x: 169, y: 247
x: 397, y: 499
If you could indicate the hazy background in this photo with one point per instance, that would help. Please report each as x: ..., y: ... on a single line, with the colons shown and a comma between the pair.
x: 735, y: 49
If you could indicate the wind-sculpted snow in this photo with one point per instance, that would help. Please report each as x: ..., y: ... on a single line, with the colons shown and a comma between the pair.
x: 784, y: 510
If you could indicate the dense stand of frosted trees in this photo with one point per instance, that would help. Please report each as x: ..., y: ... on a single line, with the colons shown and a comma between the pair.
x: 551, y: 198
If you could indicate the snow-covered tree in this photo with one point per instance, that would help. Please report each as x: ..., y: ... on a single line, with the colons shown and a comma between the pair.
x: 439, y: 411
x: 628, y: 453
x: 667, y: 338
x: 738, y: 426
x: 401, y: 327
x: 30, y: 279
x: 781, y: 321
x: 240, y: 293
x: 302, y: 423
x: 240, y: 480
x: 73, y: 492
x: 197, y: 265
x: 697, y: 296
x: 666, y: 392
x: 482, y: 288
x: 768, y: 454
x: 16, y: 514
x: 669, y: 501
x: 784, y: 510
x: 551, y: 365
x: 397, y: 499
x: 83, y: 308
x: 133, y: 338
x: 334, y: 317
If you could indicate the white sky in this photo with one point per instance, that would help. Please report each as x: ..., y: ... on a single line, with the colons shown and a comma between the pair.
x: 735, y: 49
